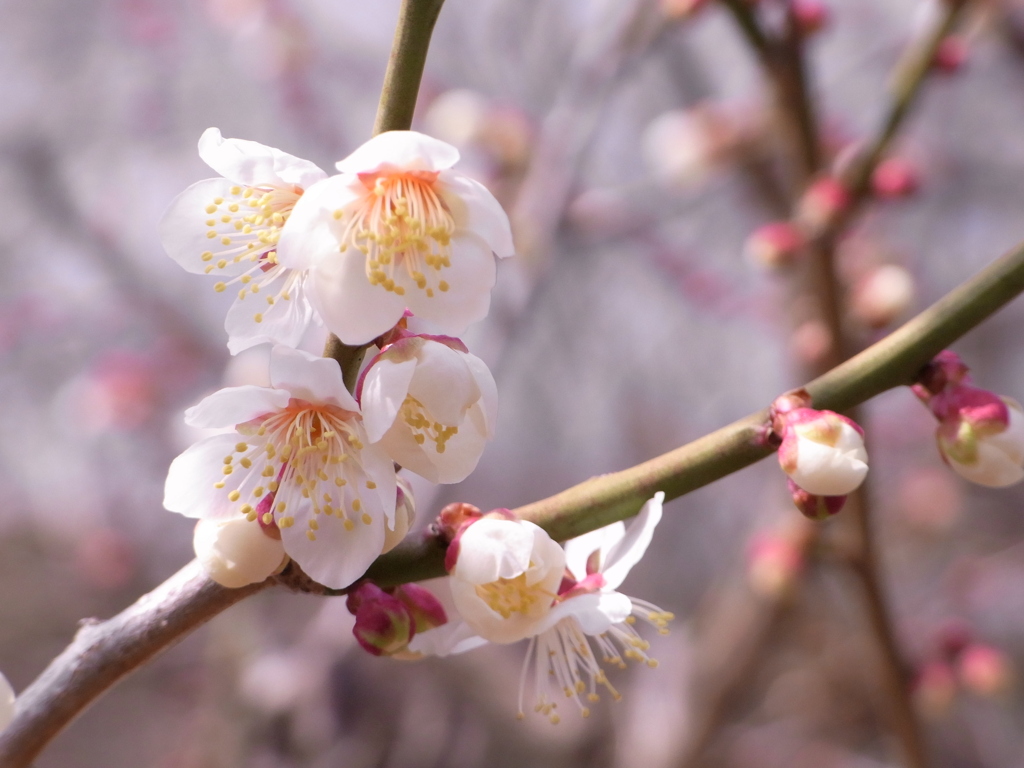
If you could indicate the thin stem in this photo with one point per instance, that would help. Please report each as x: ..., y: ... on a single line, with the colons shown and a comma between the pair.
x: 908, y: 77
x: 416, y: 19
x: 895, y: 680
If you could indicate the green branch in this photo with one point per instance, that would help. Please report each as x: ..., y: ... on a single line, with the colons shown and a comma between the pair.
x: 892, y: 362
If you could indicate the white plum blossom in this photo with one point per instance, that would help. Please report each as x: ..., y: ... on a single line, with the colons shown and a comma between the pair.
x: 591, y: 614
x: 397, y: 229
x: 296, y: 459
x: 431, y: 404
x: 823, y: 452
x: 506, y: 577
x: 568, y: 626
x: 6, y: 703
x: 235, y: 552
x: 230, y: 226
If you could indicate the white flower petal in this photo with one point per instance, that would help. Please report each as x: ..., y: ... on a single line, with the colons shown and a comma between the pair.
x: 993, y: 469
x: 384, y: 390
x: 405, y: 150
x: 381, y: 470
x: 190, y: 486
x: 444, y: 383
x: 828, y: 471
x: 596, y: 612
x: 309, y: 377
x: 251, y: 163
x: 183, y: 229
x: 352, y: 309
x: 476, y: 209
x: 491, y: 549
x: 283, y: 322
x: 461, y: 455
x: 235, y: 405
x: 309, y: 234
x: 486, y: 416
x: 337, y: 557
x: 627, y: 553
x: 446, y: 640
x: 1000, y: 459
x: 470, y: 277
x: 6, y: 703
x: 235, y: 552
x: 579, y: 550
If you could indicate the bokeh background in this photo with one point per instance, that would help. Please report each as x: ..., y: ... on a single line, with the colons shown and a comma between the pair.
x: 632, y: 143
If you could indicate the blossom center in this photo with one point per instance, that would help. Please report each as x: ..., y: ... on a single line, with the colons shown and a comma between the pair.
x: 508, y: 596
x: 404, y: 229
x: 244, y: 229
x: 303, y: 457
x: 423, y: 428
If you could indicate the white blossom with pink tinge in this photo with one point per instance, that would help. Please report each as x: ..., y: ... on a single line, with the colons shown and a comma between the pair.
x: 229, y: 227
x: 297, y: 459
x: 397, y: 229
x: 431, y: 404
x: 566, y: 624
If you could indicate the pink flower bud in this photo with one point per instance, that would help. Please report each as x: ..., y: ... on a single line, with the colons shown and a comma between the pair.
x: 984, y: 670
x: 775, y: 245
x: 811, y: 342
x: 980, y: 435
x: 822, y: 202
x: 384, y: 625
x: 953, y: 637
x: 881, y: 296
x: 935, y: 689
x: 815, y: 507
x: 453, y: 517
x: 822, y: 452
x: 894, y: 178
x: 810, y: 15
x: 774, y: 561
x: 946, y: 369
x: 426, y: 610
x: 951, y: 55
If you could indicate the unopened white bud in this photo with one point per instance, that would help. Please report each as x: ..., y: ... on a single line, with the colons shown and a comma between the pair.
x: 6, y: 703
x: 991, y: 459
x: 235, y: 552
x: 823, y: 452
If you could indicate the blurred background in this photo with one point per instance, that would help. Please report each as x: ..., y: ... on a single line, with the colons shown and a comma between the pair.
x: 633, y: 145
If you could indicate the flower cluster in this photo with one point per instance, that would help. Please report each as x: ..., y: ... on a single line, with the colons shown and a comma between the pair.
x: 509, y: 581
x: 980, y: 434
x: 303, y: 469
